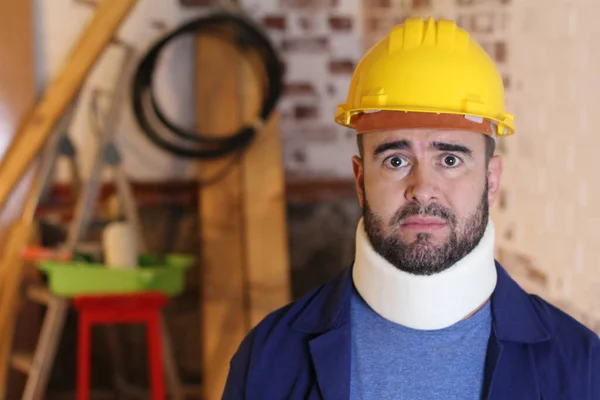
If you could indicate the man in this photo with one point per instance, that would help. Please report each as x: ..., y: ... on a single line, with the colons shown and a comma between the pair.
x: 424, y: 312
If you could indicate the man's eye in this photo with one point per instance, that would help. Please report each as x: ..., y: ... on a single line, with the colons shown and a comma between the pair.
x: 395, y: 162
x: 451, y: 161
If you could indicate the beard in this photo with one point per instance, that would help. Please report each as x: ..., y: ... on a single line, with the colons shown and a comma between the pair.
x: 422, y: 256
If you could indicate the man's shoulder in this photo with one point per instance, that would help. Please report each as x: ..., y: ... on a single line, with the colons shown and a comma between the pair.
x: 272, y: 348
x: 283, y: 318
x: 563, y: 327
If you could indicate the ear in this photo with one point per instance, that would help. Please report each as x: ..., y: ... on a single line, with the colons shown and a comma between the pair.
x: 494, y: 173
x: 359, y: 178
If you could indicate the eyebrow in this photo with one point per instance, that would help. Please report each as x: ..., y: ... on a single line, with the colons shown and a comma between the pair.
x: 396, y: 145
x: 405, y: 144
x: 451, y: 147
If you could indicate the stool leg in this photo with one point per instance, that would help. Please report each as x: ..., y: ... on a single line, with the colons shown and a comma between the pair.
x: 83, y: 357
x: 157, y: 383
x: 173, y: 381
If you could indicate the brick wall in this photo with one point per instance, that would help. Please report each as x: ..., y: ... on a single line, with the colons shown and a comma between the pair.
x: 320, y: 43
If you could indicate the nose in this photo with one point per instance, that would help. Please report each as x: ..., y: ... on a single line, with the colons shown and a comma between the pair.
x: 421, y: 186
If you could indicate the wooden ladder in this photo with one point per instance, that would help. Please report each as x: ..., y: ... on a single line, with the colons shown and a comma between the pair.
x: 38, y: 365
x: 26, y: 146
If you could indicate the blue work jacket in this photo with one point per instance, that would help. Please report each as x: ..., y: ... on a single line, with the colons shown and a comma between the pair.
x: 302, y: 351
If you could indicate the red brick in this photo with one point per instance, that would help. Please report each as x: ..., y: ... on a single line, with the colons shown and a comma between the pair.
x: 275, y: 22
x: 496, y: 50
x: 341, y: 67
x: 340, y: 23
x: 500, y: 52
x: 506, y: 81
x: 305, y: 44
x: 421, y: 3
x: 306, y: 112
x: 377, y: 4
x: 308, y: 4
x: 378, y: 26
x: 371, y: 24
x: 197, y: 3
x: 299, y: 88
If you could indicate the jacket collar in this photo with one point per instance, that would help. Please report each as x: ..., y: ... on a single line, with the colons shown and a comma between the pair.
x: 327, y: 315
x: 329, y: 308
x: 513, y: 315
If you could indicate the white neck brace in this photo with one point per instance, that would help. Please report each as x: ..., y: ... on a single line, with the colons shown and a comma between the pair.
x: 425, y: 302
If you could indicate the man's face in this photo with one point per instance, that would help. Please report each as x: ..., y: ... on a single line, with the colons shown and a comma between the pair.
x: 425, y: 195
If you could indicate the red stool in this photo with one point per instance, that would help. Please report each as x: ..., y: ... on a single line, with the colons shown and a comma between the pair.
x: 114, y: 309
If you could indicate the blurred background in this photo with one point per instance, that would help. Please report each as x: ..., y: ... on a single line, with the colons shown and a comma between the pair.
x: 269, y: 223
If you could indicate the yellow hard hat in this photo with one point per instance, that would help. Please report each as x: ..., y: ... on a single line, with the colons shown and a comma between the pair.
x: 424, y: 66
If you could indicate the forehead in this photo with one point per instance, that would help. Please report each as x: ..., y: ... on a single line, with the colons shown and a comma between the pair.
x: 422, y: 138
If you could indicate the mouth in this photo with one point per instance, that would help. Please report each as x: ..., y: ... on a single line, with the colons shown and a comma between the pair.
x: 423, y: 224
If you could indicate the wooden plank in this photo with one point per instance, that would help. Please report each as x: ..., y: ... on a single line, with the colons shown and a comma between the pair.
x: 266, y: 225
x: 33, y: 133
x: 222, y: 304
x: 17, y: 91
x: 17, y: 96
x: 22, y: 362
x: 11, y: 265
x: 11, y: 274
x: 245, y: 251
x: 266, y: 241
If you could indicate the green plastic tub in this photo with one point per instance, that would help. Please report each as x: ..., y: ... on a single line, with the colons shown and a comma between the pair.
x: 165, y: 274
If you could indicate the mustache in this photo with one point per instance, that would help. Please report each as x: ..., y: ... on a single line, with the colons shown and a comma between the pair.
x: 432, y: 210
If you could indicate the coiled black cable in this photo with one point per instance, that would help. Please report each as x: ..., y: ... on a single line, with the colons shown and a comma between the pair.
x: 245, y: 35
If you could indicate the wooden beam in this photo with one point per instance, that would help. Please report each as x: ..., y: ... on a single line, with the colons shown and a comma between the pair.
x: 266, y: 225
x: 35, y: 129
x: 17, y: 91
x: 17, y: 95
x: 245, y: 263
x: 184, y: 193
x: 266, y: 239
x: 222, y: 287
x: 11, y: 275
